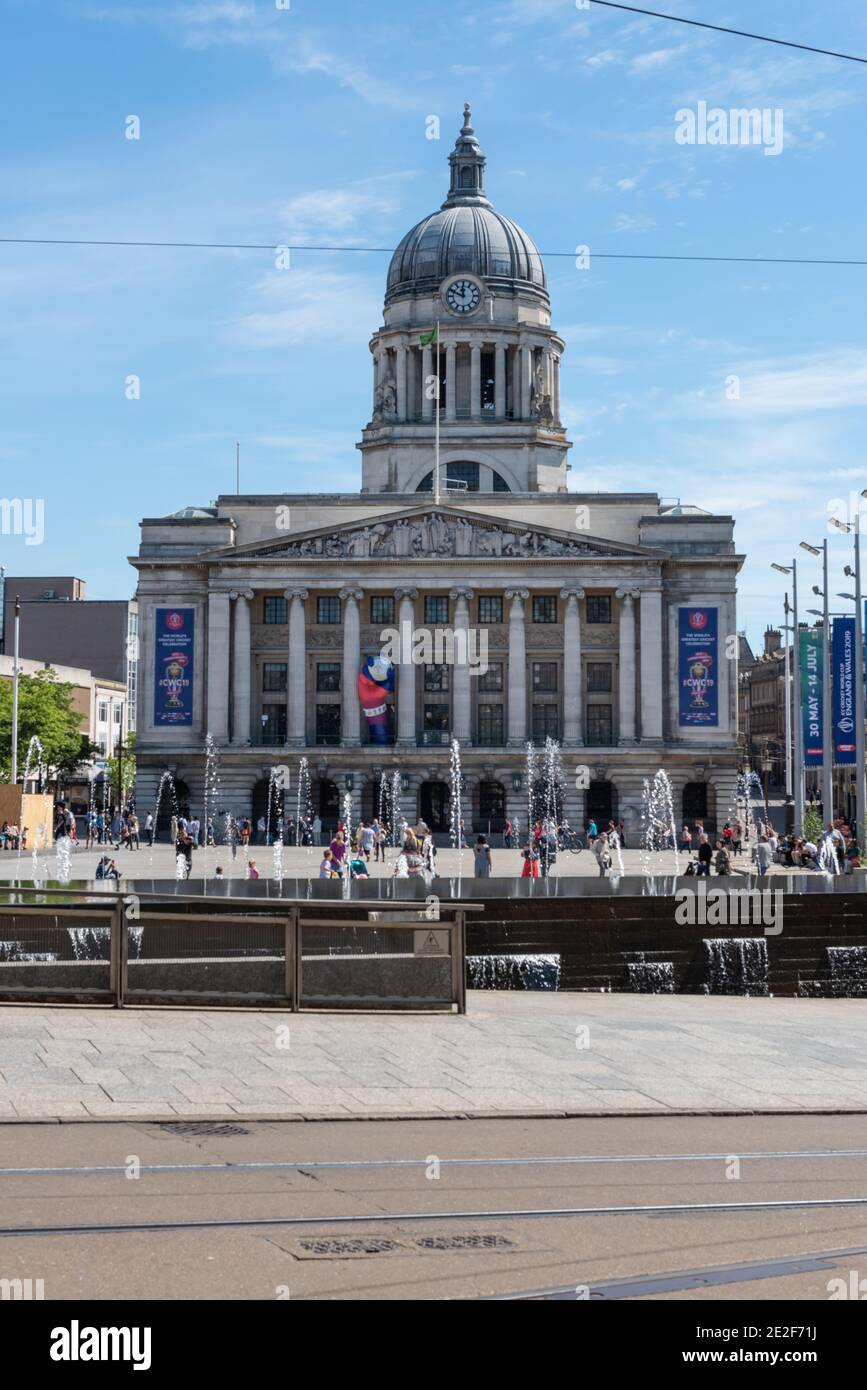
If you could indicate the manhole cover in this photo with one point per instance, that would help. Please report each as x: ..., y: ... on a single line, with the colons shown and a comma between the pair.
x: 339, y: 1247
x: 465, y: 1243
x: 199, y: 1127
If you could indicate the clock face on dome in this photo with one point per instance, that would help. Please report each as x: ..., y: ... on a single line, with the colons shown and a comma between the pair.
x: 463, y: 296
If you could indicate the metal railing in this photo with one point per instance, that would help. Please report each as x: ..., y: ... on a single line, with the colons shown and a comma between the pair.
x: 142, y: 950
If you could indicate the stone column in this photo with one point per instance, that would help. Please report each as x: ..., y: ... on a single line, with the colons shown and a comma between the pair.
x: 651, y: 665
x: 517, y: 669
x: 516, y: 383
x: 573, y: 712
x: 296, y: 656
x: 350, y: 723
x: 406, y: 670
x: 475, y: 381
x: 555, y: 404
x: 401, y: 382
x: 627, y: 664
x: 451, y: 382
x: 461, y: 704
x: 526, y: 380
x: 217, y: 723
x: 427, y: 371
x: 241, y: 731
x: 500, y: 382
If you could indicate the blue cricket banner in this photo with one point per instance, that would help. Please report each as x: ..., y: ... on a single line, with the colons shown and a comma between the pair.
x: 812, y: 695
x: 844, y: 673
x: 698, y: 667
x: 175, y: 630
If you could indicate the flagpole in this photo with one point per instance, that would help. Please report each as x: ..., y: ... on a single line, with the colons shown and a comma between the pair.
x: 437, y: 427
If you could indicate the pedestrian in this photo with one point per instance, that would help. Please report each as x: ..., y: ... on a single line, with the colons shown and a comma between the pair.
x: 507, y: 834
x: 737, y: 837
x: 530, y: 856
x: 409, y: 862
x: 603, y: 857
x: 723, y: 859
x: 482, y: 858
x: 149, y: 829
x: 338, y: 849
x: 705, y: 855
x: 326, y: 868
x: 317, y: 830
x: 764, y: 856
x: 218, y: 873
x: 686, y: 839
x: 367, y: 840
x: 621, y: 831
x: 252, y: 871
x: 132, y: 832
x: 246, y: 828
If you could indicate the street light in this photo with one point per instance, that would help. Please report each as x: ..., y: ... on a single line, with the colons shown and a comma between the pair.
x: 827, y: 739
x: 794, y: 719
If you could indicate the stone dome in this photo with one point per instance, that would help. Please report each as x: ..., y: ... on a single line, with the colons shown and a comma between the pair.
x: 466, y: 234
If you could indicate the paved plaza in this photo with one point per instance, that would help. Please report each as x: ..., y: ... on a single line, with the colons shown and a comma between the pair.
x: 160, y: 863
x: 513, y: 1053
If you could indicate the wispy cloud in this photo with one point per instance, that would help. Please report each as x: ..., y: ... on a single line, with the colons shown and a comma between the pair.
x: 310, y: 306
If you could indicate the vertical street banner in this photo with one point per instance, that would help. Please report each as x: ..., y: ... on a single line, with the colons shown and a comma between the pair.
x: 812, y: 694
x: 844, y: 673
x: 698, y: 668
x: 173, y: 665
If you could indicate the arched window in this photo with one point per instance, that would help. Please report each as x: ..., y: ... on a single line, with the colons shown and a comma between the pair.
x: 465, y: 473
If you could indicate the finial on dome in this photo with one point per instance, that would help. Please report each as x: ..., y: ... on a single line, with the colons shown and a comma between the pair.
x: 468, y: 119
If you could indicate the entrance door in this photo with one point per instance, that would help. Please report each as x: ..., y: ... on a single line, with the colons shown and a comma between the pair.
x: 600, y: 803
x: 435, y: 801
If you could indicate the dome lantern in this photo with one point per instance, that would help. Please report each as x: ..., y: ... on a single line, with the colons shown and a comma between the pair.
x: 468, y: 167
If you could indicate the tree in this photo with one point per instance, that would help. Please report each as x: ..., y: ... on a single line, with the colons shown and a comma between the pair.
x: 46, y: 712
x: 127, y: 770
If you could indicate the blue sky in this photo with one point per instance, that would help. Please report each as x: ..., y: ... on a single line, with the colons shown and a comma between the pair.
x: 268, y: 125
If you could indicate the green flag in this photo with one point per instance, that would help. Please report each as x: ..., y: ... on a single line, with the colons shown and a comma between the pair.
x: 431, y: 337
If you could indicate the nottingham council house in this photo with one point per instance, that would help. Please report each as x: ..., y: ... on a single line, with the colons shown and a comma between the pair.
x: 365, y: 631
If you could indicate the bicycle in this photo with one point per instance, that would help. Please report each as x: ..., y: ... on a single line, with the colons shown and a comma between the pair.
x: 571, y: 842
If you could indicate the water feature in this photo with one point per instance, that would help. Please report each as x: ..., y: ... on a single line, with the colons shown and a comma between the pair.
x: 35, y: 743
x: 63, y: 857
x: 455, y: 808
x: 347, y: 836
x: 514, y: 972
x: 532, y: 775
x: 395, y: 805
x: 553, y: 787
x: 736, y: 965
x: 303, y: 800
x: 211, y: 790
x: 847, y: 969
x: 165, y: 780
x: 645, y: 976
x: 659, y: 828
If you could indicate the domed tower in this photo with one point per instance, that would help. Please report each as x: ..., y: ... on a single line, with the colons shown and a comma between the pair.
x: 477, y: 278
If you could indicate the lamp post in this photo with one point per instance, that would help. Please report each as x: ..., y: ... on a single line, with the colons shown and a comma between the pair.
x: 827, y: 731
x: 796, y: 717
x: 15, y: 676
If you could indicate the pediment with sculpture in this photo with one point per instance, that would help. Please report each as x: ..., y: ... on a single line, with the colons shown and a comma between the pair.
x: 438, y: 534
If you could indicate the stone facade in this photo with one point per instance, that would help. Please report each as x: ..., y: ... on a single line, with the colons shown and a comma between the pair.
x: 569, y: 600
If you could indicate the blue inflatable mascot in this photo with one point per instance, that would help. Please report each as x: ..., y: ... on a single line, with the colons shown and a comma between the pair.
x: 375, y: 682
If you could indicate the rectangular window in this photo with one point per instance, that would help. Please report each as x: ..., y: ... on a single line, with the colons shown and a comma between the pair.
x: 328, y: 724
x: 491, y: 725
x: 599, y: 675
x: 545, y: 675
x: 599, y: 725
x: 102, y: 711
x: 546, y: 722
x: 273, y: 724
x: 436, y: 609
x: 327, y: 610
x: 436, y: 677
x: 493, y: 677
x: 328, y: 675
x: 491, y: 608
x: 274, y: 675
x: 436, y: 719
x: 118, y: 714
x: 599, y: 608
x: 382, y: 609
x: 275, y: 610
x: 544, y: 608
